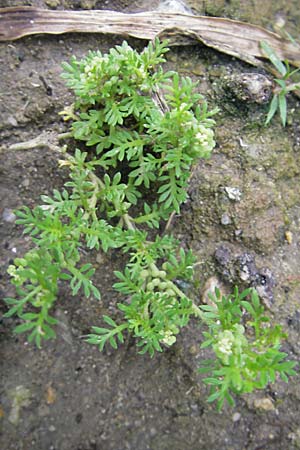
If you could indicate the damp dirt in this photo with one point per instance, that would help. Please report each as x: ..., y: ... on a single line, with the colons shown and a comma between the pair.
x: 242, y: 220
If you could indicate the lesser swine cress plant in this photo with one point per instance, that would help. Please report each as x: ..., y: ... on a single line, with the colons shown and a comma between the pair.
x: 137, y: 139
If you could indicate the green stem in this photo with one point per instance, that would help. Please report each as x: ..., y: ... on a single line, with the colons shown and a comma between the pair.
x: 67, y: 135
x: 32, y: 294
x: 127, y: 220
x: 196, y: 310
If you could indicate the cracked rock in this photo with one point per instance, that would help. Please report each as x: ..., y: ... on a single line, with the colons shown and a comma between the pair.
x: 240, y: 268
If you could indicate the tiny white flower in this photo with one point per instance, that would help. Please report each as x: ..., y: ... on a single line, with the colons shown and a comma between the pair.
x: 169, y: 338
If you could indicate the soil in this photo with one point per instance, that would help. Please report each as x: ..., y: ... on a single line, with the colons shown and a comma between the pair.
x: 242, y: 221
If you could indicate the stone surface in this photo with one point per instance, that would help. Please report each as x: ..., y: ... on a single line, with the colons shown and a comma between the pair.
x: 249, y: 87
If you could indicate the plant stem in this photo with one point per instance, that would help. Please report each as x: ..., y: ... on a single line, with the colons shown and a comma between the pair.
x: 129, y: 224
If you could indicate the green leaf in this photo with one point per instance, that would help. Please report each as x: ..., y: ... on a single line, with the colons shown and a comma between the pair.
x: 272, y: 109
x: 95, y: 292
x: 113, y: 342
x: 109, y: 321
x: 120, y: 337
x: 29, y: 316
x: 229, y: 399
x: 100, y: 330
x: 282, y: 108
x: 255, y: 299
x: 92, y: 339
x: 204, y: 369
x: 156, y: 345
x: 113, y: 115
x: 248, y: 307
x: 284, y: 377
x: 213, y: 397
x: 211, y: 315
x: 213, y: 381
x: 24, y: 327
x: 275, y: 60
x: 244, y: 294
x: 207, y: 343
x: 11, y: 311
x: 49, y: 332
x: 208, y: 308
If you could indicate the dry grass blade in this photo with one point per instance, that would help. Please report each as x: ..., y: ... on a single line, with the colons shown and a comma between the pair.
x: 235, y: 38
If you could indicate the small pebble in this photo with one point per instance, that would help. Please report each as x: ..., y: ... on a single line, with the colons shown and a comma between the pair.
x: 11, y: 120
x: 225, y: 219
x: 289, y: 237
x: 25, y: 183
x: 236, y: 417
x: 8, y: 215
x: 100, y: 258
x: 194, y: 349
x: 209, y: 289
x: 238, y: 232
x: 174, y: 6
x: 233, y: 193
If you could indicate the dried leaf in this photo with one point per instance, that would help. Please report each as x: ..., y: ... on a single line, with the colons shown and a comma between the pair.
x: 239, y: 39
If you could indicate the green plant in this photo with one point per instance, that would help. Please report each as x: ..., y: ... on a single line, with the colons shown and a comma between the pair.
x: 246, y: 347
x: 142, y: 129
x: 284, y: 84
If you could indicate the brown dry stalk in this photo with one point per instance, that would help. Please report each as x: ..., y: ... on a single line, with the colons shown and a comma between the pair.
x: 235, y: 38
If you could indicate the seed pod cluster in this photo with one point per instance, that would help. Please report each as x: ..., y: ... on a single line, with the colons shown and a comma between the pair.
x: 156, y: 279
